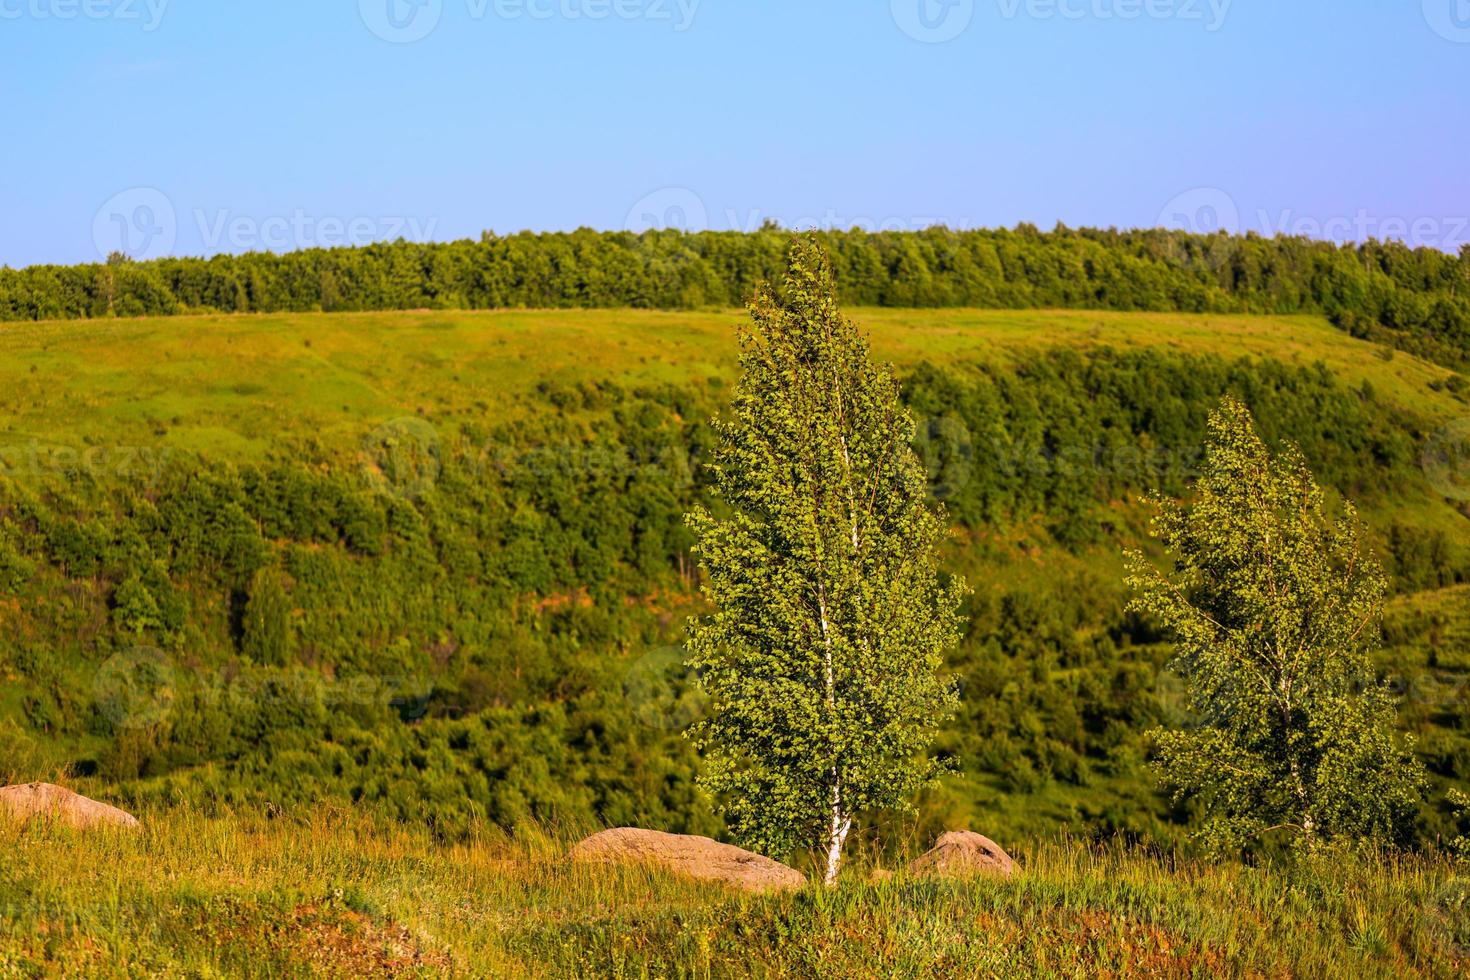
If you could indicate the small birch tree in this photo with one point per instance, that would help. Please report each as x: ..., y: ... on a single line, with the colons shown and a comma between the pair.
x: 821, y: 658
x: 1274, y: 608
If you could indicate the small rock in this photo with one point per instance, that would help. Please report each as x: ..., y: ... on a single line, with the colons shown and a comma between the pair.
x: 696, y: 857
x: 43, y: 801
x: 963, y: 852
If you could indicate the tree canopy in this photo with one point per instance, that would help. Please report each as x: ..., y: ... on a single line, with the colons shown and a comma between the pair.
x: 822, y: 655
x: 1274, y: 607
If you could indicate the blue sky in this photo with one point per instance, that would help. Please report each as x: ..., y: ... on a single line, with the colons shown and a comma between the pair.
x: 197, y: 126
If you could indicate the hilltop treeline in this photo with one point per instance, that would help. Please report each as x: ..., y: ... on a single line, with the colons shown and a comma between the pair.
x: 1415, y: 299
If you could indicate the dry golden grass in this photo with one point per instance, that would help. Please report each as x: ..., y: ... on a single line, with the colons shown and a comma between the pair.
x: 335, y: 894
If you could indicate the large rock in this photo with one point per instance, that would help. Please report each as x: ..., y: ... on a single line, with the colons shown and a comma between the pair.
x: 961, y: 852
x: 696, y: 857
x: 43, y: 801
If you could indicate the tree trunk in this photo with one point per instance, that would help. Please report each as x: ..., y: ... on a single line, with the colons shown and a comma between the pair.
x: 837, y: 836
x: 1309, y: 825
x: 841, y: 821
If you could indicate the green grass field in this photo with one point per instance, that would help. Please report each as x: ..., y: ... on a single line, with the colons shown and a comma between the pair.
x: 239, y: 385
x: 334, y: 895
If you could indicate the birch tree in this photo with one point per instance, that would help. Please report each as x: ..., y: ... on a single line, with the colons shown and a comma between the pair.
x: 822, y: 656
x: 1274, y: 607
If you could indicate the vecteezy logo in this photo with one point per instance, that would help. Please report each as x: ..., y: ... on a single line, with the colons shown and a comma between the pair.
x: 1446, y: 460
x: 401, y: 21
x: 1449, y: 18
x: 1450, y: 914
x: 136, y: 688
x: 140, y: 223
x: 1201, y: 211
x: 945, y: 448
x: 668, y: 207
x: 401, y: 458
x: 1171, y: 694
x: 933, y: 21
x: 662, y: 692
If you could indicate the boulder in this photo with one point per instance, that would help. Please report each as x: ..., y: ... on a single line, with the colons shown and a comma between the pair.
x: 696, y: 857
x: 961, y: 852
x: 43, y: 801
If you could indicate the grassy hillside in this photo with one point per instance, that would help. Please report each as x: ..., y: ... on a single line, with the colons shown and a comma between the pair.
x: 249, y: 384
x: 1411, y: 298
x: 433, y: 561
x: 333, y: 894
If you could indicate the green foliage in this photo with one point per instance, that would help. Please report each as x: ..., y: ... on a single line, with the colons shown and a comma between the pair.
x: 830, y: 622
x: 538, y: 561
x: 134, y: 609
x: 1414, y: 299
x: 1059, y: 432
x: 1460, y: 801
x: 266, y: 625
x: 1273, y: 607
x: 298, y: 739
